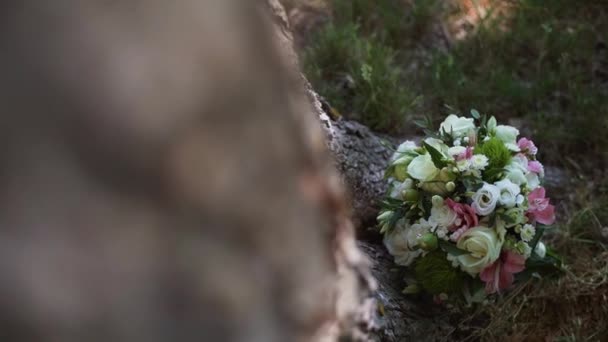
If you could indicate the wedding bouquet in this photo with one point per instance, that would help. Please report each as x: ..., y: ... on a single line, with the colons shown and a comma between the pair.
x: 466, y: 207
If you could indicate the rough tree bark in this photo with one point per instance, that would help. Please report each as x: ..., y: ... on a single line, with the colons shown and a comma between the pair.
x: 162, y: 181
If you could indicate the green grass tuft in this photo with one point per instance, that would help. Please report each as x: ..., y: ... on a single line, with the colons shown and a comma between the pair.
x: 436, y: 275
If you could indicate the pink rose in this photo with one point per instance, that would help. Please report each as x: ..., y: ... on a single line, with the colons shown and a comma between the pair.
x: 499, y: 275
x: 539, y: 209
x: 465, y: 218
x: 527, y: 146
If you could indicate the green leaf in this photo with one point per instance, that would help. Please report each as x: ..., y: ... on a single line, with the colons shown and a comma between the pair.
x: 475, y: 114
x: 436, y: 156
x: 451, y: 248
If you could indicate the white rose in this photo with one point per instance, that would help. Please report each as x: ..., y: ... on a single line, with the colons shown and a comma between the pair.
x: 483, y: 245
x: 485, y: 199
x: 422, y: 168
x: 405, y: 147
x: 508, y: 135
x: 457, y: 126
x: 508, y: 193
x: 540, y: 249
x: 397, y: 244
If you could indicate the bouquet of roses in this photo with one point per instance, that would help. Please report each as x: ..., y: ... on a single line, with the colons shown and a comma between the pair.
x: 466, y: 206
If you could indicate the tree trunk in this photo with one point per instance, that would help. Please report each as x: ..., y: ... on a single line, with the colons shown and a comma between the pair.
x: 163, y: 180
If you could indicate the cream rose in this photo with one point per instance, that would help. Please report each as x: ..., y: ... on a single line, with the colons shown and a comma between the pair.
x: 485, y: 199
x: 483, y: 245
x: 422, y: 168
x: 457, y: 126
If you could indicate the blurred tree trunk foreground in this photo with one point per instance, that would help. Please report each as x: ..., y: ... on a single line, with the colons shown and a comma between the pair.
x: 164, y: 178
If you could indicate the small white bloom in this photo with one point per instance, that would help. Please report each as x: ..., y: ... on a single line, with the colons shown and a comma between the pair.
x: 465, y: 140
x: 508, y: 192
x: 457, y: 126
x: 479, y: 161
x: 508, y: 135
x: 422, y: 168
x: 541, y: 249
x: 463, y: 165
x: 485, y: 199
x: 486, y: 139
x: 457, y: 142
x: 527, y: 232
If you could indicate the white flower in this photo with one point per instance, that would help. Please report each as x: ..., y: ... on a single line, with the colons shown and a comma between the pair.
x: 483, y: 245
x: 508, y: 135
x: 457, y: 142
x: 515, y: 174
x: 540, y: 249
x: 397, y: 244
x: 533, y: 180
x: 405, y: 147
x: 527, y: 232
x: 441, y: 215
x: 456, y: 150
x: 456, y: 126
x: 479, y: 161
x: 422, y: 168
x: 485, y: 199
x: 508, y: 193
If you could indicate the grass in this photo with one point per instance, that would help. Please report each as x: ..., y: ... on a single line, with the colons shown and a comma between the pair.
x: 543, y: 67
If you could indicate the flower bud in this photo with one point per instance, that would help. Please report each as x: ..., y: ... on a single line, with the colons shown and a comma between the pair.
x: 401, y: 172
x: 384, y: 215
x: 437, y: 201
x: 491, y: 125
x: 540, y: 250
x: 450, y: 186
x: 428, y: 242
x: 411, y: 195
